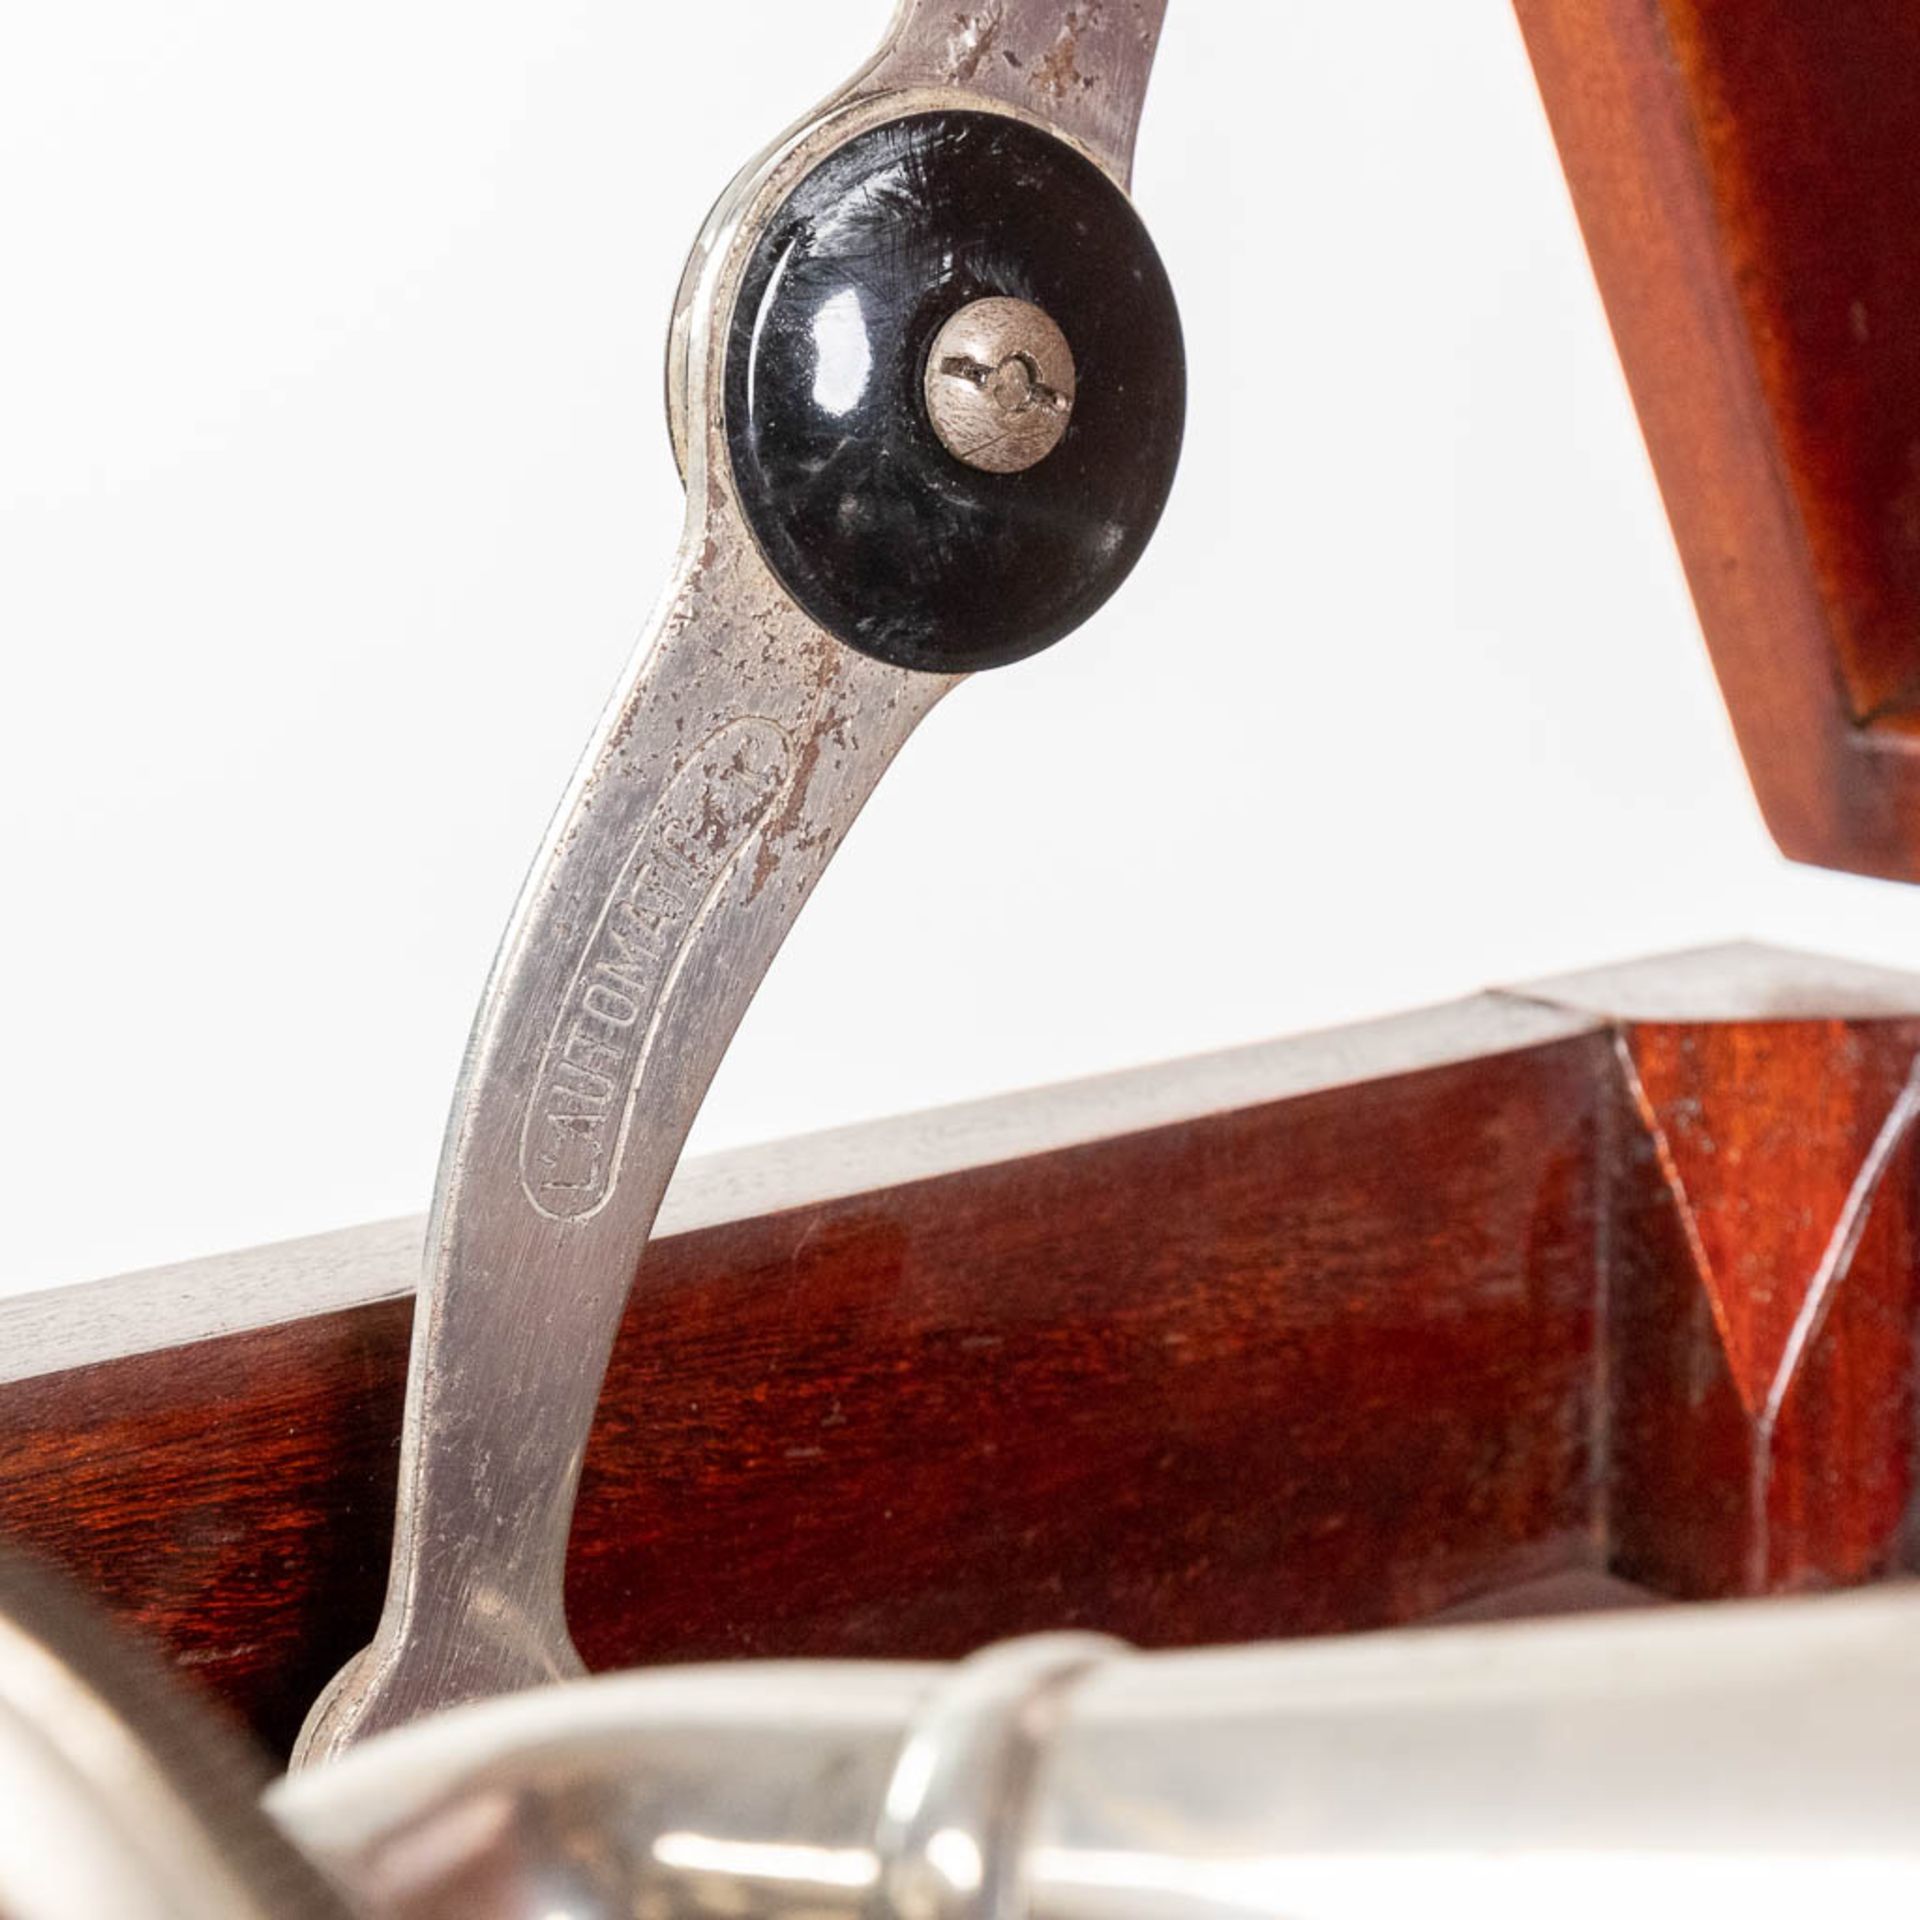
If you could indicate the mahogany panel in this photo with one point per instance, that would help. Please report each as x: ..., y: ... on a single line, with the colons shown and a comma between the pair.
x: 231, y: 1500
x: 1461, y: 1312
x: 1325, y: 1362
x: 1761, y: 1306
x: 1809, y: 126
x: 1746, y: 179
x: 1321, y: 1365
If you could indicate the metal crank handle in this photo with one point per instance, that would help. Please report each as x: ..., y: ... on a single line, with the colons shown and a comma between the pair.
x: 928, y: 390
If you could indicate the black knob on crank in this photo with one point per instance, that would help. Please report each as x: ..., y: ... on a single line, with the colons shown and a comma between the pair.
x: 955, y: 390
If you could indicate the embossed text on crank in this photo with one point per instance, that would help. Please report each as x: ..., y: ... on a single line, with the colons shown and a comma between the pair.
x: 580, y: 1108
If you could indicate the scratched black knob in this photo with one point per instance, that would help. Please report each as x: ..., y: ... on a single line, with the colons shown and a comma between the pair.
x: 955, y: 390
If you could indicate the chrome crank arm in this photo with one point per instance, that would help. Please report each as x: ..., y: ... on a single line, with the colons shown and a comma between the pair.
x: 893, y: 478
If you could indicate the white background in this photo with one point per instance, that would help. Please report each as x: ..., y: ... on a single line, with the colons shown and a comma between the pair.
x: 333, y: 489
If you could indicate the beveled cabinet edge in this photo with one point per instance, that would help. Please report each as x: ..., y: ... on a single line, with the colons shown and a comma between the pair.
x: 174, y: 1306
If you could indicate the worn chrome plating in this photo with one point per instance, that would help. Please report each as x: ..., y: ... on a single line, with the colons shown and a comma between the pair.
x: 1755, y: 1758
x: 725, y: 771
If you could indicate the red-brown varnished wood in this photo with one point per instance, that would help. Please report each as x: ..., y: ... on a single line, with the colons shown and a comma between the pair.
x: 1236, y: 1377
x: 1542, y: 1291
x: 230, y: 1500
x: 1763, y: 1306
x: 1746, y: 178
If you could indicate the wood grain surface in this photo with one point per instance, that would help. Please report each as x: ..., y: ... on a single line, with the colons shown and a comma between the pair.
x: 1608, y: 1300
x: 1748, y: 180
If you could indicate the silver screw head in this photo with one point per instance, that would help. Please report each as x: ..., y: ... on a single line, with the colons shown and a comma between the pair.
x: 999, y: 385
